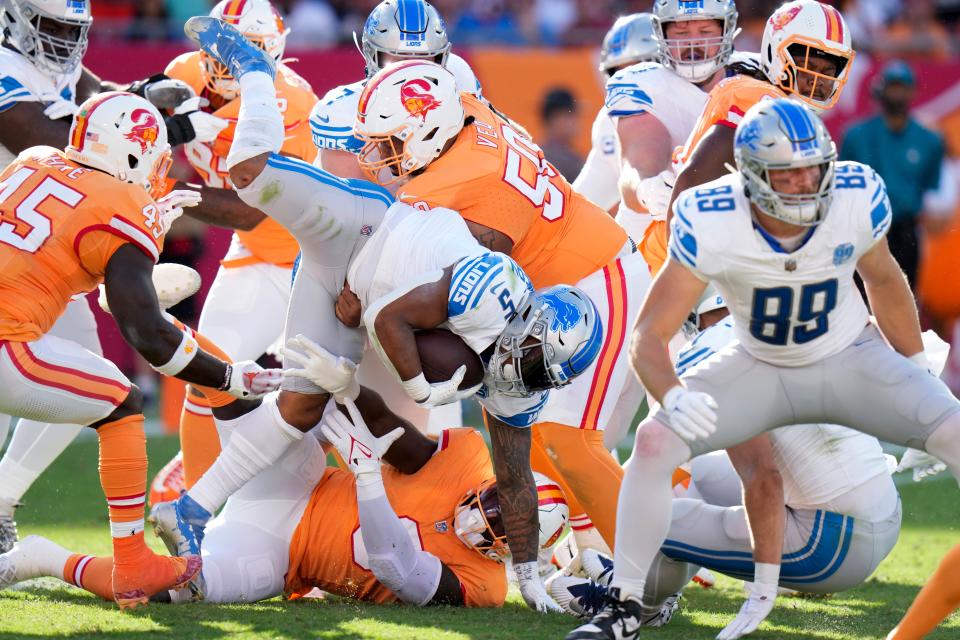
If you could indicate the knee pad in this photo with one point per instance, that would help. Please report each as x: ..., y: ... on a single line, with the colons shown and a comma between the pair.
x: 415, y: 584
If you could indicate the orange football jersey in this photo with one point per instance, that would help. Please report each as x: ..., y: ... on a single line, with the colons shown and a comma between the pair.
x: 268, y: 241
x: 496, y: 177
x: 327, y: 549
x: 60, y: 223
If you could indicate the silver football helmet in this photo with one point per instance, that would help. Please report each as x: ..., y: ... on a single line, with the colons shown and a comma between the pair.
x: 22, y: 23
x: 630, y: 40
x: 555, y: 336
x: 785, y: 134
x: 710, y: 300
x: 688, y: 57
x: 406, y: 29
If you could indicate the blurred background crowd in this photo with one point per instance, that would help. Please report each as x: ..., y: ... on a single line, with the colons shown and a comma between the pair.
x: 537, y: 61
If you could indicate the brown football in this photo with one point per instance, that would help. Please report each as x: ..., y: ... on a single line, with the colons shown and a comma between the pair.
x: 443, y: 352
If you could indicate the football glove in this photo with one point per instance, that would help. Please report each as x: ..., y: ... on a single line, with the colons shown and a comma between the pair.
x: 248, y: 380
x: 435, y: 394
x: 923, y: 464
x: 692, y: 414
x: 532, y: 589
x: 654, y: 193
x: 335, y: 374
x: 172, y: 205
x: 361, y: 450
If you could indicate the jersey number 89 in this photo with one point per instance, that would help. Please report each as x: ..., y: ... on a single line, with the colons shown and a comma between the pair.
x: 773, y: 313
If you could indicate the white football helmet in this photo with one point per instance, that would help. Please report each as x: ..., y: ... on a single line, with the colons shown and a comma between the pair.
x: 407, y: 113
x: 710, y: 300
x: 479, y: 525
x: 23, y: 22
x: 260, y: 23
x: 796, y: 31
x: 405, y: 29
x: 123, y: 135
x: 688, y: 56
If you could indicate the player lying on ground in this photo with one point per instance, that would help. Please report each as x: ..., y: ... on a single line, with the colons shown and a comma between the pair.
x: 783, y: 254
x: 64, y: 239
x: 842, y: 519
x: 300, y: 525
x: 332, y: 220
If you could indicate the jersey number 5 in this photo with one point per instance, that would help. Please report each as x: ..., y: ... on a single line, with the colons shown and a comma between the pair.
x: 24, y: 226
x: 542, y: 192
x: 773, y: 313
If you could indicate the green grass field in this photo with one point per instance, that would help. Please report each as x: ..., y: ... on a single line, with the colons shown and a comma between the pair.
x: 67, y: 506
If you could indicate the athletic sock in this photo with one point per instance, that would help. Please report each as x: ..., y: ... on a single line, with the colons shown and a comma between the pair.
x: 33, y: 448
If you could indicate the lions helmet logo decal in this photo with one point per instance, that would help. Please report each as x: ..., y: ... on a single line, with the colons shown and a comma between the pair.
x: 416, y: 99
x: 145, y: 130
x: 781, y: 19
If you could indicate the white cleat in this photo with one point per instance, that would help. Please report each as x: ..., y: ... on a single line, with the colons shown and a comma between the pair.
x: 173, y: 283
x: 30, y: 558
x: 597, y: 566
x: 705, y: 578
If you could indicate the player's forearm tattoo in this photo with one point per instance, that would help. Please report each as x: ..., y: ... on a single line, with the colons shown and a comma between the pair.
x: 516, y: 488
x: 487, y: 239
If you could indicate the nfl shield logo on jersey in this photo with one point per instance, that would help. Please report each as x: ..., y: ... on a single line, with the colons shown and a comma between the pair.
x: 441, y: 526
x: 842, y: 253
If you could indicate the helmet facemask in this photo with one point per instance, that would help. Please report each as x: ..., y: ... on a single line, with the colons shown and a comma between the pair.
x: 797, y: 54
x: 478, y: 523
x: 387, y: 151
x: 28, y: 29
x: 690, y: 56
x: 804, y: 209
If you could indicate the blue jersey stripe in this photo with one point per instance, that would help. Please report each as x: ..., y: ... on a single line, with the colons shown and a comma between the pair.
x: 322, y: 127
x: 481, y: 288
x: 690, y: 359
x: 526, y: 418
x: 360, y: 188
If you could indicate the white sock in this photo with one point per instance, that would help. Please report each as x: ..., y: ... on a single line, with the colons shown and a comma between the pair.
x: 260, y: 123
x: 33, y: 448
x: 644, y: 506
x: 261, y: 437
x: 5, y: 422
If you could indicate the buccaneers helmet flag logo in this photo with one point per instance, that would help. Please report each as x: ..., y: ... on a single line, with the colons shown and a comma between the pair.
x: 782, y: 18
x: 145, y: 130
x: 415, y: 98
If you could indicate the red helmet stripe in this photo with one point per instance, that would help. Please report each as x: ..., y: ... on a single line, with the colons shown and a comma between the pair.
x: 233, y: 11
x: 83, y: 119
x: 834, y: 23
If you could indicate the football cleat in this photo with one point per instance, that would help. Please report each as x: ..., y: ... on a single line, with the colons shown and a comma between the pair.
x: 223, y: 42
x: 8, y: 532
x: 26, y: 559
x: 133, y: 587
x: 566, y: 557
x: 669, y: 607
x: 173, y: 283
x: 705, y: 578
x: 168, y: 484
x: 597, y: 566
x: 617, y: 620
x: 180, y: 525
x: 578, y: 596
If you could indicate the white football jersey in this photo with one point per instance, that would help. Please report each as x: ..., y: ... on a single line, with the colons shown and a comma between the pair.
x: 818, y: 462
x: 598, y: 178
x: 791, y: 309
x: 20, y: 81
x: 411, y: 247
x: 332, y: 118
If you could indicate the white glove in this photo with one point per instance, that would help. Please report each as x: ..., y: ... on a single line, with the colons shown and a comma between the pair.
x: 692, y: 414
x: 754, y: 611
x: 532, y: 589
x: 206, y: 126
x: 61, y: 108
x: 169, y: 93
x: 654, y: 193
x: 335, y: 374
x: 921, y: 360
x: 361, y: 450
x: 248, y: 380
x: 923, y: 464
x: 172, y: 205
x: 439, y: 393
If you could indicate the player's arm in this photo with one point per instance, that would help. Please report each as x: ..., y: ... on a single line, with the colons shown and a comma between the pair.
x: 490, y: 238
x: 674, y: 292
x: 645, y: 151
x: 416, y: 576
x: 341, y: 163
x: 762, y: 497
x: 707, y: 162
x: 222, y: 208
x: 24, y: 125
x: 91, y: 84
x: 890, y: 299
x: 133, y: 301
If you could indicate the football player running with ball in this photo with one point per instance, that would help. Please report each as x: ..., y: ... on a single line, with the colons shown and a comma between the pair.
x: 781, y: 238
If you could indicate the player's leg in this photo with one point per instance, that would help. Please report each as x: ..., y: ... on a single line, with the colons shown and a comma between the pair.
x: 938, y: 599
x: 715, y: 479
x: 56, y: 380
x: 35, y: 445
x: 243, y: 315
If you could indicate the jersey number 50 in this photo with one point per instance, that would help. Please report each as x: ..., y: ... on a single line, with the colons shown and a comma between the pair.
x: 773, y: 313
x: 24, y: 226
x: 542, y: 192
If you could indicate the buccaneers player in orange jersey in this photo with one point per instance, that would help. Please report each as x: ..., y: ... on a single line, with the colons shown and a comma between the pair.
x: 70, y: 220
x: 446, y: 149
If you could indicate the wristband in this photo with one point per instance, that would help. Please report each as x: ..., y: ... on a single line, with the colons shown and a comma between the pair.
x: 766, y: 577
x: 417, y: 388
x: 185, y: 353
x: 920, y: 359
x: 227, y: 374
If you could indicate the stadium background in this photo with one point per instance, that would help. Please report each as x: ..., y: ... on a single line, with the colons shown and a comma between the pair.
x: 523, y: 49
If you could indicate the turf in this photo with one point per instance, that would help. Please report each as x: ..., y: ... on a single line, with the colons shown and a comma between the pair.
x: 67, y: 506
